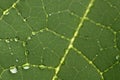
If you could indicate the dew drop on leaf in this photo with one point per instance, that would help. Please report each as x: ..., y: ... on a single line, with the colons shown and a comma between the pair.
x: 96, y: 55
x: 26, y: 66
x: 90, y: 62
x: 50, y: 14
x: 19, y: 14
x: 16, y: 39
x: 29, y: 38
x: 24, y: 44
x: 9, y: 47
x: 7, y: 41
x: 24, y: 20
x: 16, y: 60
x: 6, y: 12
x: 11, y: 53
x: 44, y: 48
x: 41, y: 66
x: 27, y: 52
x: 13, y: 70
x: 33, y: 33
x: 117, y: 57
x: 11, y: 39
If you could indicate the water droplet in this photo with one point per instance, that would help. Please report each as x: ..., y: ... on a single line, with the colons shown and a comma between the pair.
x: 33, y: 33
x: 14, y: 5
x: 96, y: 55
x: 11, y: 53
x: 16, y: 39
x: 29, y: 38
x: 24, y: 20
x: 101, y: 49
x: 19, y: 14
x: 41, y: 30
x: 49, y: 14
x: 101, y: 73
x: 117, y: 57
x: 11, y: 39
x: 26, y: 66
x: 13, y: 70
x: 27, y: 52
x: 42, y: 66
x: 16, y: 60
x: 44, y: 48
x: 24, y: 44
x: 59, y: 11
x: 6, y: 12
x: 9, y: 47
x: 7, y: 41
x: 90, y: 62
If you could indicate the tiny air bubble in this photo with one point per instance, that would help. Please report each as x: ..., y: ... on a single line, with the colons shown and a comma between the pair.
x: 13, y: 70
x: 26, y: 66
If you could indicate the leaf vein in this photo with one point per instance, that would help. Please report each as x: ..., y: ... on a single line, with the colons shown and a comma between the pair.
x: 73, y: 39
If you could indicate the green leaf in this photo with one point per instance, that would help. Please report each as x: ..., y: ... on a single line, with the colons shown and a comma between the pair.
x: 59, y: 39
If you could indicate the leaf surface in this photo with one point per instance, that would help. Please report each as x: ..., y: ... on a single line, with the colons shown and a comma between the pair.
x: 59, y: 40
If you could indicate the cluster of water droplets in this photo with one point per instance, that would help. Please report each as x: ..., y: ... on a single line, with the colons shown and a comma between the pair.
x: 6, y: 12
x: 14, y: 69
x: 9, y: 40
